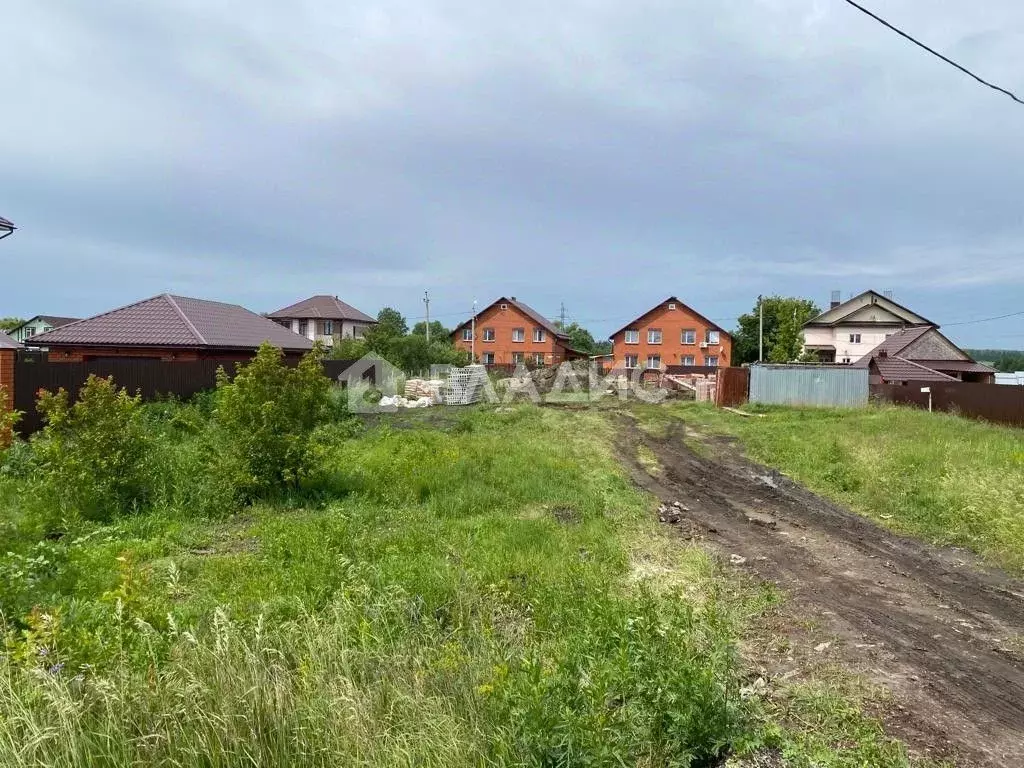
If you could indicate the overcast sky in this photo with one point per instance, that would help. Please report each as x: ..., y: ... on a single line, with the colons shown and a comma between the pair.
x: 600, y: 153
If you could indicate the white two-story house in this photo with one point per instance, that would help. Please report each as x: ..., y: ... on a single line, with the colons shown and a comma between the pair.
x: 324, y: 318
x: 848, y: 330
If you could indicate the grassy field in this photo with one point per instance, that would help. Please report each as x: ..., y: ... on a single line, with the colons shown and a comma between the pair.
x: 447, y: 588
x: 949, y: 480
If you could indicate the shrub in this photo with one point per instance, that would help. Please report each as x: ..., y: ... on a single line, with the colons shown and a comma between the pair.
x: 267, y: 416
x: 8, y: 418
x: 95, y: 453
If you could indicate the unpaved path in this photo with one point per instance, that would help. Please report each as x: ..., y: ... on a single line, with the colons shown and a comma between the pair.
x: 938, y: 629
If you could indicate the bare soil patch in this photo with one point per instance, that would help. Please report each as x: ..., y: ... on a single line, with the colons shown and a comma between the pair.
x: 933, y: 625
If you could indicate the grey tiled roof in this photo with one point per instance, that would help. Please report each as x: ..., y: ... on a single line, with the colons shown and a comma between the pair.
x: 898, y: 369
x: 322, y: 307
x: 894, y: 344
x: 175, y: 321
x: 6, y: 342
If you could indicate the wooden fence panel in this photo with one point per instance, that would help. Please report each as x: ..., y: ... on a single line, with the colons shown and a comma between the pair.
x: 992, y: 402
x: 733, y: 387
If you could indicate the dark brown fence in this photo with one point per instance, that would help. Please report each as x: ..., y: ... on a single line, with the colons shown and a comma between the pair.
x: 992, y: 402
x: 733, y: 387
x: 151, y: 378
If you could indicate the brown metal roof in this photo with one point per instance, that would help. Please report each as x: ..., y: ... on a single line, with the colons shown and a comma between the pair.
x: 963, y: 366
x: 894, y: 344
x: 6, y: 342
x: 897, y: 369
x: 674, y: 299
x: 526, y: 309
x: 322, y: 307
x: 175, y: 321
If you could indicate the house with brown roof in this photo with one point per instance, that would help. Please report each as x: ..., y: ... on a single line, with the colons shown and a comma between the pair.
x: 509, y: 332
x: 6, y: 342
x: 922, y: 353
x: 39, y: 324
x: 848, y: 330
x: 169, y: 327
x: 324, y: 318
x: 670, y: 333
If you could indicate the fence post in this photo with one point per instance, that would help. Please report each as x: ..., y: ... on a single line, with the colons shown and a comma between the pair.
x: 6, y: 389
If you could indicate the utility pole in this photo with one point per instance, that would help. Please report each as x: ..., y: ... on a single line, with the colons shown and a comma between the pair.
x: 760, y: 332
x: 472, y: 333
x: 426, y: 300
x: 562, y: 316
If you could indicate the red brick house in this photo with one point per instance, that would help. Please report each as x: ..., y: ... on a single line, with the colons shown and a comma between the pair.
x: 671, y: 333
x: 169, y: 328
x: 509, y: 332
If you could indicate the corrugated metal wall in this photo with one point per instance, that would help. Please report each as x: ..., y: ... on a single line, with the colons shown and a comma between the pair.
x: 809, y: 385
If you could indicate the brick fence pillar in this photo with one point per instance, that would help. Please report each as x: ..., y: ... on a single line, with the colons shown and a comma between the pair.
x: 7, y: 387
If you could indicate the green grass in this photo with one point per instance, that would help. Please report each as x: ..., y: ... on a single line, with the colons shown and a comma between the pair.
x: 949, y: 480
x: 475, y: 587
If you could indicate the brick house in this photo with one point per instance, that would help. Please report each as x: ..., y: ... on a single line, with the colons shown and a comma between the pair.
x: 169, y: 327
x: 670, y: 333
x: 509, y: 332
x: 324, y: 318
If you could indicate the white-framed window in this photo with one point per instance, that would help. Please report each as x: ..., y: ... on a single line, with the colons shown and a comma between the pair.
x: 518, y: 357
x: 538, y: 334
x: 855, y: 338
x: 467, y: 334
x: 631, y: 361
x: 654, y: 335
x: 538, y: 358
x: 488, y: 334
x: 654, y: 361
x: 518, y: 334
x: 632, y: 336
x: 671, y: 305
x: 711, y: 361
x: 688, y: 336
x: 504, y: 307
x: 328, y: 327
x: 487, y: 358
x: 686, y: 359
x: 712, y: 337
x: 27, y: 332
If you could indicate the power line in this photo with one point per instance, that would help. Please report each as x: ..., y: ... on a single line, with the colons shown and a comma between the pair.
x: 933, y: 52
x: 984, y: 319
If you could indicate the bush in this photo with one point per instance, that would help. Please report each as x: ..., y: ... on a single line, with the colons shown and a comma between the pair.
x: 8, y: 418
x: 266, y: 417
x: 94, y: 454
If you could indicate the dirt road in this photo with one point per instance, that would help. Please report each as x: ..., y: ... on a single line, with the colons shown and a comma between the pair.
x: 942, y: 632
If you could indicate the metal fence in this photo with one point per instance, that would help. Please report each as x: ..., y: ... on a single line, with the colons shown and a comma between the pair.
x: 815, y: 385
x: 1003, y: 405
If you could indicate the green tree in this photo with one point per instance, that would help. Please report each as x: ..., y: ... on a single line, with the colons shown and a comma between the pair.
x: 1005, y: 360
x: 10, y: 323
x: 437, y: 330
x: 784, y: 317
x: 583, y: 340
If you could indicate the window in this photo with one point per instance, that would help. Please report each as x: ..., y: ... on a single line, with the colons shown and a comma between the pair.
x: 689, y: 336
x: 358, y: 330
x: 538, y: 334
x: 517, y: 358
x: 504, y: 307
x: 712, y: 337
x: 488, y: 334
x: 487, y: 358
x: 671, y: 306
x: 654, y: 335
x: 467, y: 334
x: 28, y: 331
x: 631, y: 361
x: 632, y: 337
x: 328, y: 327
x: 711, y: 361
x: 846, y: 359
x: 538, y: 358
x: 855, y: 338
x: 518, y: 334
x: 686, y: 359
x: 654, y: 361
x: 303, y: 328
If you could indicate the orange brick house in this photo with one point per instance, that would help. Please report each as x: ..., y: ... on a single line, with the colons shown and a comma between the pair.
x: 671, y: 333
x: 509, y: 332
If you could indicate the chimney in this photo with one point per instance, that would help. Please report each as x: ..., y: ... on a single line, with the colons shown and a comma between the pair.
x: 835, y: 300
x: 883, y: 352
x: 512, y: 297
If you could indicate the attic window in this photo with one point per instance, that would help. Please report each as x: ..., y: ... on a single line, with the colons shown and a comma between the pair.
x: 672, y: 305
x: 504, y: 306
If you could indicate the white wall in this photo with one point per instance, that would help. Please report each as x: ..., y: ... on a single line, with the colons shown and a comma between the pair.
x: 870, y: 337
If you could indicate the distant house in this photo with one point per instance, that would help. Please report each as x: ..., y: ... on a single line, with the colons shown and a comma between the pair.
x: 922, y: 354
x: 39, y: 324
x: 324, y: 318
x: 671, y: 333
x: 509, y: 332
x: 169, y: 328
x: 6, y: 342
x: 848, y: 330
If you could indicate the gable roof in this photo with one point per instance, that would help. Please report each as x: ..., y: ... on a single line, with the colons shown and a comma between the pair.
x: 676, y: 300
x: 322, y: 307
x: 53, y: 320
x: 898, y: 369
x: 175, y: 321
x: 895, y: 344
x: 7, y: 224
x: 523, y: 308
x: 6, y: 342
x: 836, y: 315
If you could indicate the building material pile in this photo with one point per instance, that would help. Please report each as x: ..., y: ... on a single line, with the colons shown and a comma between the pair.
x: 465, y: 385
x: 416, y: 389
